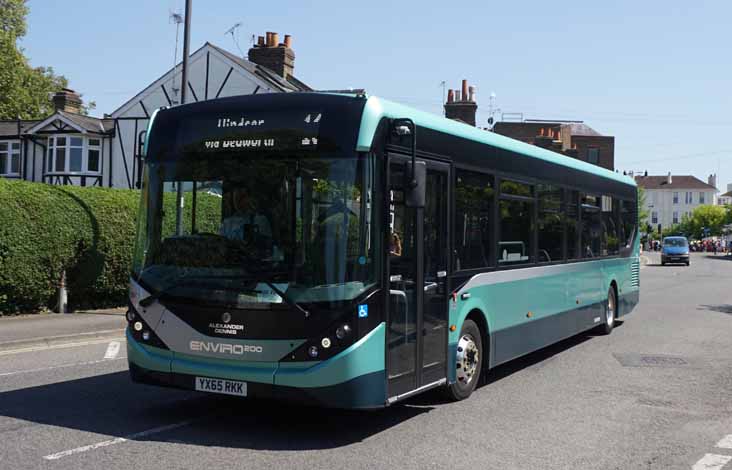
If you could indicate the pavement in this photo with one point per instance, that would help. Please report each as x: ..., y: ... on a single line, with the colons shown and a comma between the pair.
x: 655, y: 394
x: 49, y: 329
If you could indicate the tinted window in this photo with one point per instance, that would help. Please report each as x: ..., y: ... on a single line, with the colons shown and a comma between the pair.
x: 516, y: 230
x: 515, y: 188
x: 572, y: 218
x: 474, y: 194
x: 610, y: 225
x: 592, y: 228
x: 628, y: 218
x: 550, y: 224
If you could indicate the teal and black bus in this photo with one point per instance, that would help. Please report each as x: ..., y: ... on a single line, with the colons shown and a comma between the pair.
x: 347, y: 251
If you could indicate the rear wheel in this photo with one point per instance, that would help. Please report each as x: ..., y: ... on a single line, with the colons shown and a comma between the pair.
x: 468, y: 362
x: 610, y: 311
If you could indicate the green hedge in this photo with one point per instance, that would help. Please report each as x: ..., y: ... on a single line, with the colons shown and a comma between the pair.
x: 89, y: 232
x: 44, y: 229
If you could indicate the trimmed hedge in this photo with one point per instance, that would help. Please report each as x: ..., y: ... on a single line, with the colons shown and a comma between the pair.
x: 44, y: 229
x: 89, y: 232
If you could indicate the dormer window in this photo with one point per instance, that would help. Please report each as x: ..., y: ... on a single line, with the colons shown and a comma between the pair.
x: 73, y: 154
x: 9, y: 158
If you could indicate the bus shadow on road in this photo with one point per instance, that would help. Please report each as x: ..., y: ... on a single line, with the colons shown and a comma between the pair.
x: 717, y: 308
x: 111, y: 405
x: 538, y: 358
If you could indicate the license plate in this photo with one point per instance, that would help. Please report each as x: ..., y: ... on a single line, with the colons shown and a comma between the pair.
x: 223, y: 386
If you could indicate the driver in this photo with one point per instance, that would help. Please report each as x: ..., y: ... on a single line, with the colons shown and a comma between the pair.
x: 245, y: 223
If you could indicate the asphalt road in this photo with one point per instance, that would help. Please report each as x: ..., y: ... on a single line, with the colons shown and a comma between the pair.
x: 656, y: 394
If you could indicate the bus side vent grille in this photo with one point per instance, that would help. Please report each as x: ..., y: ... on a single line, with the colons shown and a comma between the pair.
x: 635, y: 273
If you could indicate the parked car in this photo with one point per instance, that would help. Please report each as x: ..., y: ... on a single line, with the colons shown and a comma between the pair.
x: 675, y: 250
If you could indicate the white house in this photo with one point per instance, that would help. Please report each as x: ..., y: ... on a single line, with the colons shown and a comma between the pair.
x: 669, y: 198
x: 726, y: 198
x: 70, y: 148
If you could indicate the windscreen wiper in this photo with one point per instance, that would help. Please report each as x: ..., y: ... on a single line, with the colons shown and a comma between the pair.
x: 286, y: 299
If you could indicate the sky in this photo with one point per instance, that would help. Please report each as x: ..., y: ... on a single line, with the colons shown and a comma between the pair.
x: 657, y: 75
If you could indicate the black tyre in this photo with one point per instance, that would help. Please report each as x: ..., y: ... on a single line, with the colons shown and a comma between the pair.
x: 687, y: 263
x: 611, y: 306
x: 469, y: 362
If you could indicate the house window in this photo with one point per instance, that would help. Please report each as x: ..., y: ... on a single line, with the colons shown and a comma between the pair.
x: 593, y: 155
x: 701, y: 198
x: 676, y: 197
x: 688, y: 199
x: 10, y: 158
x: 73, y: 154
x: 676, y: 217
x: 654, y: 217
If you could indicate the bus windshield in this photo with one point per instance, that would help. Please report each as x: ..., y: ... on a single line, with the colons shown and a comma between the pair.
x: 258, y: 230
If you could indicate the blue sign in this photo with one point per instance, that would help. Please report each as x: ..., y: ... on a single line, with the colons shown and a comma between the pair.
x: 363, y: 311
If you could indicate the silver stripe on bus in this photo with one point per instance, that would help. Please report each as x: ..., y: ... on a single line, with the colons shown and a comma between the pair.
x: 511, y: 275
x: 416, y: 391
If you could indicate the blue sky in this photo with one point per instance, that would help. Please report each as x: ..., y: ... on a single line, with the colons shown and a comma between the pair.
x: 656, y: 75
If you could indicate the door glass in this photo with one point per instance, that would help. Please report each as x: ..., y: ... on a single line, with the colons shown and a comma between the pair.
x: 435, y: 271
x: 402, y: 307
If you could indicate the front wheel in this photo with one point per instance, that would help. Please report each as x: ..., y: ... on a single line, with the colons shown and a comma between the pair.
x: 610, y: 311
x: 468, y: 362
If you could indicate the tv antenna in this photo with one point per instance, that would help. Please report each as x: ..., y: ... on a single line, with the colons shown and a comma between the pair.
x: 234, y: 31
x: 175, y: 18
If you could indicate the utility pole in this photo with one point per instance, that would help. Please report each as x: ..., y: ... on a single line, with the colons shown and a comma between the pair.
x: 183, y: 94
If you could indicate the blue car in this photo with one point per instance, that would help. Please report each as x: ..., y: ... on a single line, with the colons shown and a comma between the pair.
x: 675, y: 250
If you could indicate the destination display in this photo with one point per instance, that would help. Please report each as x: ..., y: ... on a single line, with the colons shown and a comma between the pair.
x: 252, y: 131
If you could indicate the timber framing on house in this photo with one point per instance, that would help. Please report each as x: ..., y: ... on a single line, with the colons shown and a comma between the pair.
x: 70, y: 148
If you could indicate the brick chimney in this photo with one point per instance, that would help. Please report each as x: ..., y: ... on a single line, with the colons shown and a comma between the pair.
x: 67, y: 100
x: 461, y: 105
x: 276, y: 56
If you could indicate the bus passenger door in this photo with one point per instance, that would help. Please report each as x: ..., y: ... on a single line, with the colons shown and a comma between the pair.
x: 418, y: 290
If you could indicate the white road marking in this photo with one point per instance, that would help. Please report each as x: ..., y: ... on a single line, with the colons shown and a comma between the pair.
x: 725, y: 443
x: 712, y: 462
x: 117, y: 440
x: 55, y: 346
x: 112, y: 350
x: 62, y: 366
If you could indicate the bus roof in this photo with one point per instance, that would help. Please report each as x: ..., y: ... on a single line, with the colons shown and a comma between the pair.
x: 378, y: 108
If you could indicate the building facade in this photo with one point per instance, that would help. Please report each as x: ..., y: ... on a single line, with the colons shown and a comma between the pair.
x: 669, y: 198
x: 573, y: 138
x: 726, y: 198
x: 70, y: 148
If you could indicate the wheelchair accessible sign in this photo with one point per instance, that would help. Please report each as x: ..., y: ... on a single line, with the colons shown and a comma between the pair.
x: 363, y: 311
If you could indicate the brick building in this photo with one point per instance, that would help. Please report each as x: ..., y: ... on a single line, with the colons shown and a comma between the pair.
x: 573, y: 138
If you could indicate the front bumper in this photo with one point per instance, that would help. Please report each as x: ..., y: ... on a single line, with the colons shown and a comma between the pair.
x: 679, y: 258
x: 354, y: 378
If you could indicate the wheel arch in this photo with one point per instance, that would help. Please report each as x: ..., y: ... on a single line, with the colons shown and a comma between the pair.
x: 614, y: 287
x: 477, y: 316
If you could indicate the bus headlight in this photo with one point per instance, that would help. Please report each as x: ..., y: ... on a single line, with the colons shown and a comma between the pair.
x: 137, y: 326
x: 325, y: 342
x: 146, y: 335
x: 313, y: 351
x: 130, y: 315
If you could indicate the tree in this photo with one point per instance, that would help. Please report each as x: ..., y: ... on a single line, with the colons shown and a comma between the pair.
x: 642, y: 211
x: 707, y: 217
x: 24, y: 90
